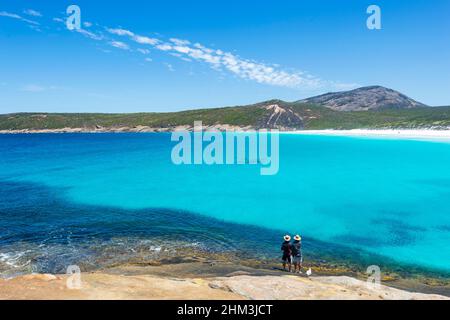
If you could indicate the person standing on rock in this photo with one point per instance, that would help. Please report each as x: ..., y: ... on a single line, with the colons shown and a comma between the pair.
x: 297, y: 257
x: 286, y: 248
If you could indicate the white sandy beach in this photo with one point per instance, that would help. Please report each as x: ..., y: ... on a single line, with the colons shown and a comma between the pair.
x: 413, y: 134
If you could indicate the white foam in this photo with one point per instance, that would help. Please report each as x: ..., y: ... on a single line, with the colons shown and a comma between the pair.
x: 12, y: 259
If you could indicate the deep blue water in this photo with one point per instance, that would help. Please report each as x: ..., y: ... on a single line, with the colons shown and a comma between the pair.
x: 70, y: 198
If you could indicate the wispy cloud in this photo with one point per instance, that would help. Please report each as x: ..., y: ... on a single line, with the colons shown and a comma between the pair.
x: 143, y: 51
x: 164, y: 47
x: 136, y: 38
x: 18, y: 17
x: 221, y: 60
x: 145, y: 40
x: 180, y: 42
x: 120, y: 45
x: 120, y: 32
x: 32, y: 13
x: 89, y: 34
x: 226, y: 61
x: 217, y: 59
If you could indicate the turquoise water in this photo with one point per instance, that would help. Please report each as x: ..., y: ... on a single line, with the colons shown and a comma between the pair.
x: 386, y: 197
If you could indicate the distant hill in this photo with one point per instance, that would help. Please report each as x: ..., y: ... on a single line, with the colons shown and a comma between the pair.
x: 365, y: 98
x: 270, y: 114
x: 305, y: 114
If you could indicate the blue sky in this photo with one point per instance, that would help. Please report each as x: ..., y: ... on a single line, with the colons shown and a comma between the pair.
x: 134, y: 56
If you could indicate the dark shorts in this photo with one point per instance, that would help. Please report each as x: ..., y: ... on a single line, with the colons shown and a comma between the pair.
x: 297, y: 259
x: 286, y: 258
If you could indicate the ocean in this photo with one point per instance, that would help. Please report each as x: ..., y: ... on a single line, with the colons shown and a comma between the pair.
x: 96, y: 199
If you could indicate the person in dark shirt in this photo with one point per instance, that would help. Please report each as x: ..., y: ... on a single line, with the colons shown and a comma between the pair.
x: 297, y: 257
x: 286, y: 248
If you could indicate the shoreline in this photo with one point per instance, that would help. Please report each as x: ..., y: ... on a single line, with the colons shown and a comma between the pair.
x: 177, y: 270
x: 408, y: 134
x: 426, y: 134
x: 200, y: 281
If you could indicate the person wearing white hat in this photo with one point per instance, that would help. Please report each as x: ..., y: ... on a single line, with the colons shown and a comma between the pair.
x: 286, y: 248
x: 297, y: 257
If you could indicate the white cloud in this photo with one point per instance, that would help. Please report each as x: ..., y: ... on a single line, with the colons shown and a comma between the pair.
x: 217, y: 59
x: 243, y: 68
x: 145, y: 40
x: 32, y: 13
x: 120, y: 45
x: 180, y: 42
x: 164, y: 47
x: 87, y: 24
x: 143, y: 51
x: 178, y: 55
x: 35, y: 28
x: 16, y: 16
x: 248, y: 69
x: 120, y: 32
x: 221, y: 60
x: 89, y: 34
x: 135, y: 37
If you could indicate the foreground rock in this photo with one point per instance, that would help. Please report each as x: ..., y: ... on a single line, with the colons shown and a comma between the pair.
x: 300, y: 288
x: 110, y: 286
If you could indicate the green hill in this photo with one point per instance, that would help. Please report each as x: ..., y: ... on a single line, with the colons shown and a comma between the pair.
x: 270, y: 114
x: 367, y: 107
x: 423, y: 117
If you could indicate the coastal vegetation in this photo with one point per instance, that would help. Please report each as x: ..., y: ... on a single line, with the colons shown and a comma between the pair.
x: 372, y: 107
x: 310, y: 116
